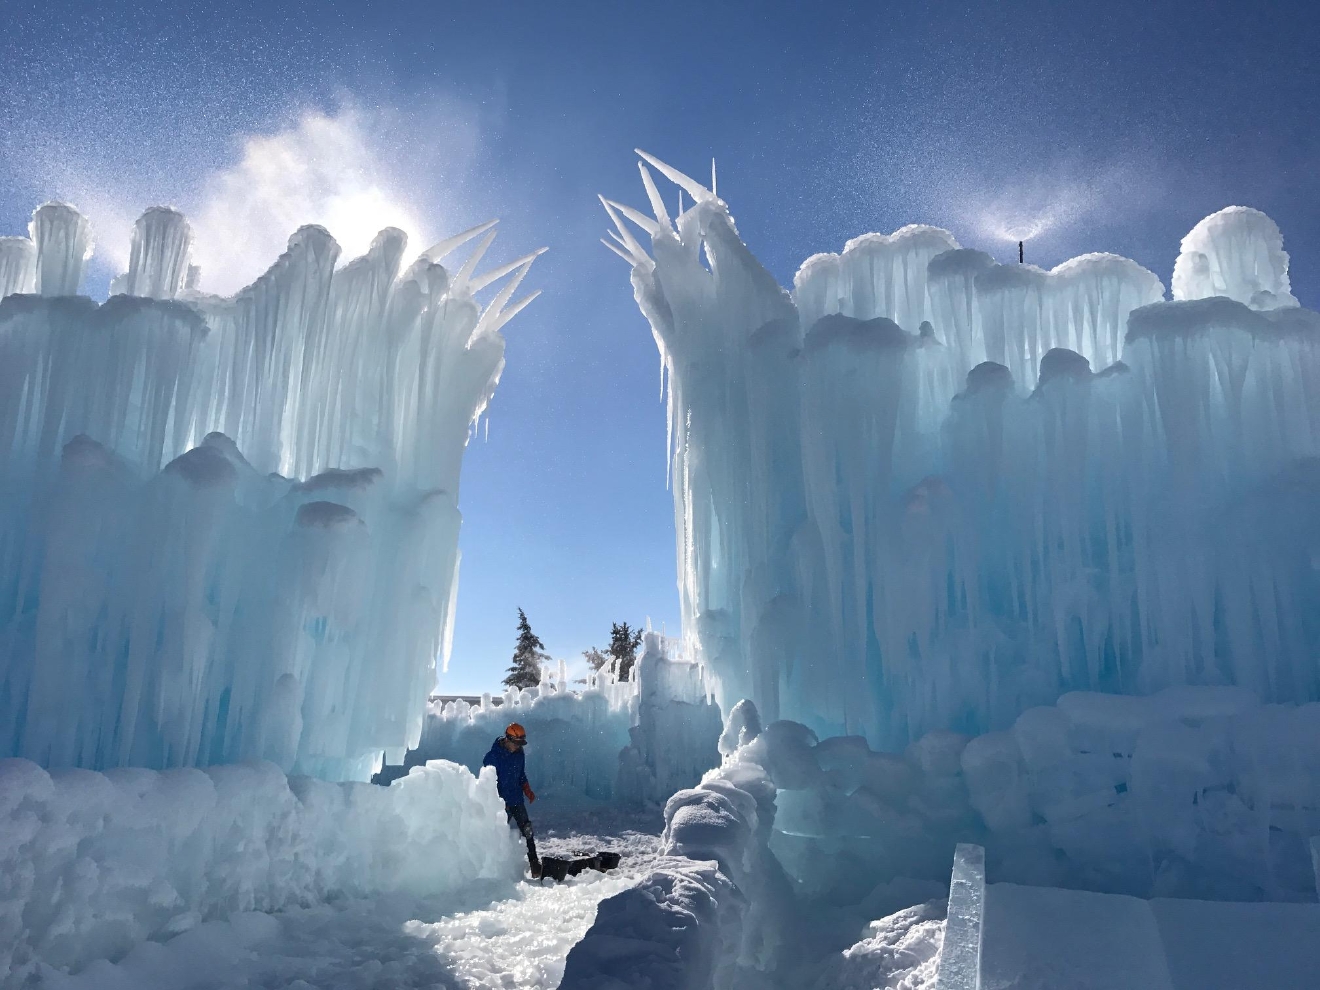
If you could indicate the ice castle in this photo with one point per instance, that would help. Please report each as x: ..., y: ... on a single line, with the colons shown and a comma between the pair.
x: 925, y: 490
x: 229, y: 526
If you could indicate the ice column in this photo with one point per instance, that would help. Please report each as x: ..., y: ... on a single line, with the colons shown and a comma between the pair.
x: 64, y: 242
x: 960, y: 954
x: 951, y: 283
x: 158, y: 257
x: 18, y: 265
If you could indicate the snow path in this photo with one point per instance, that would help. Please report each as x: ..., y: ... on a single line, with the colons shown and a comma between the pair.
x: 487, y: 939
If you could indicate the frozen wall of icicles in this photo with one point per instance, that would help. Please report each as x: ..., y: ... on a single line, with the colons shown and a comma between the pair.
x: 229, y: 526
x: 631, y: 742
x: 928, y: 491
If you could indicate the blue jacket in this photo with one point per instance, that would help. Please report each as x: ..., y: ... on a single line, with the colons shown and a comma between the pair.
x: 510, y: 772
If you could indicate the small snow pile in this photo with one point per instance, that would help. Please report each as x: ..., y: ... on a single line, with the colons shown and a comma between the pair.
x: 713, y: 913
x: 900, y: 952
x: 92, y: 864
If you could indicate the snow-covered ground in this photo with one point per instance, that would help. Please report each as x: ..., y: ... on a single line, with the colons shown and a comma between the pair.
x: 475, y: 939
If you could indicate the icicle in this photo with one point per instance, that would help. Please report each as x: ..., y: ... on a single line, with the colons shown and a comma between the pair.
x: 157, y: 519
x: 925, y: 478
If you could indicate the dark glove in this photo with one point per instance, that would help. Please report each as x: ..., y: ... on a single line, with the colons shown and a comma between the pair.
x: 527, y: 789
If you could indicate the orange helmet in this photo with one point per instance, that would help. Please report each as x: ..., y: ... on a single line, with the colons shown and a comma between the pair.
x: 515, y: 733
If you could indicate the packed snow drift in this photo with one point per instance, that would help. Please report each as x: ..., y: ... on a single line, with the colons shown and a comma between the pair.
x: 229, y: 526
x: 925, y: 490
x: 96, y: 863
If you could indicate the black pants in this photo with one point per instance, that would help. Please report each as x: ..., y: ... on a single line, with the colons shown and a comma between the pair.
x: 518, y: 816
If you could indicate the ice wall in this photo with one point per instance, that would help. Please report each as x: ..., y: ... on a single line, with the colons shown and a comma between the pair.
x: 675, y: 730
x: 1190, y: 792
x: 574, y: 737
x: 633, y: 742
x: 229, y: 526
x: 928, y: 491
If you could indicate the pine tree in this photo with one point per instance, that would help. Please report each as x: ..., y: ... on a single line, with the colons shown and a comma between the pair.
x: 528, y: 656
x: 595, y: 658
x: 623, y: 648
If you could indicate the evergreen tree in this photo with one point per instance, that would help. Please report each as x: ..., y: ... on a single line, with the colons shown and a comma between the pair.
x: 623, y: 648
x: 595, y: 658
x: 528, y: 656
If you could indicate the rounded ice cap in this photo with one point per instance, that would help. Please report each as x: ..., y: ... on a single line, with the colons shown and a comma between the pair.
x: 1238, y: 253
x: 987, y: 376
x: 1060, y: 362
x: 63, y: 237
x: 18, y: 265
x: 204, y: 467
x: 326, y: 515
x: 959, y: 263
x: 84, y: 453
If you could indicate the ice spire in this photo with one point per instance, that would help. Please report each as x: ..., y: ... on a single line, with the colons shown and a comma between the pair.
x: 18, y: 265
x: 63, y: 239
x: 158, y: 258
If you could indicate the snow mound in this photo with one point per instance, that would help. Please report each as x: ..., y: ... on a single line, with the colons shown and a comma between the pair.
x: 95, y: 863
x: 899, y: 952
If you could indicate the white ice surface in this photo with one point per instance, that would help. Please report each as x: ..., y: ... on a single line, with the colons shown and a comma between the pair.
x: 1039, y: 937
x: 94, y: 866
x: 1069, y: 940
x: 478, y: 938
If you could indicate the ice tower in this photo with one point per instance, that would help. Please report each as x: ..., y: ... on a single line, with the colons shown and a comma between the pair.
x: 229, y: 526
x: 925, y: 490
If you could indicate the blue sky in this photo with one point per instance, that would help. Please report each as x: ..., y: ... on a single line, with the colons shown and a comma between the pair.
x: 1117, y: 125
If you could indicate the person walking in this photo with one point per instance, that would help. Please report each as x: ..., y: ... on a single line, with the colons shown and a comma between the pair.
x: 506, y: 756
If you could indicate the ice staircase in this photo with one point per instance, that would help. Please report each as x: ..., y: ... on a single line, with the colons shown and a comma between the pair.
x: 1005, y: 936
